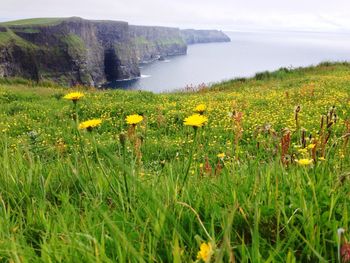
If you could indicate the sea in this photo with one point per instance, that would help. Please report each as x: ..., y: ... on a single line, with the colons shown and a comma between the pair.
x: 247, y: 54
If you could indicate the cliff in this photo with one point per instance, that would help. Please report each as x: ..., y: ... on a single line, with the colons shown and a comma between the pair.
x: 69, y: 51
x: 75, y: 51
x: 153, y: 43
x: 192, y: 36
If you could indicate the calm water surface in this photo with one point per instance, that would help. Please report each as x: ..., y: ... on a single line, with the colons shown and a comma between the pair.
x: 247, y: 54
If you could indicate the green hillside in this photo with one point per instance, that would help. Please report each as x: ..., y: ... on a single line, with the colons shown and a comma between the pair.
x: 35, y: 22
x: 265, y: 179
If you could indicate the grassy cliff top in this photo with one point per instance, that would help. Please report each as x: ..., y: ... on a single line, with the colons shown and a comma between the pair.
x: 9, y: 36
x: 50, y: 21
x: 35, y: 22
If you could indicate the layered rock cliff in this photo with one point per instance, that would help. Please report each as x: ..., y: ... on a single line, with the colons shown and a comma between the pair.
x: 71, y: 51
x: 192, y: 36
x: 77, y: 51
x: 153, y: 43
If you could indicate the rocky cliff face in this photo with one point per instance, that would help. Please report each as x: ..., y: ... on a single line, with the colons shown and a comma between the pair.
x: 76, y: 51
x: 192, y: 36
x: 73, y: 51
x: 153, y: 43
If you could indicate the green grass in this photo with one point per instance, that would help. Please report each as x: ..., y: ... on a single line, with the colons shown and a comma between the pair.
x: 76, y: 46
x: 63, y: 195
x: 34, y: 22
x: 142, y: 41
x: 5, y: 38
x: 10, y: 37
x: 172, y: 41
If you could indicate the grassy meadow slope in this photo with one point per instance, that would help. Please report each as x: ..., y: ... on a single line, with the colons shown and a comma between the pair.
x: 262, y: 181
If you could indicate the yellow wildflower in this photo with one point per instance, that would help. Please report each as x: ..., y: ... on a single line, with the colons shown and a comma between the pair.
x: 322, y: 158
x: 90, y: 124
x: 195, y: 120
x: 221, y: 155
x: 133, y: 119
x: 200, y: 108
x: 304, y: 161
x: 303, y: 150
x: 74, y: 96
x: 205, y: 252
x: 311, y: 146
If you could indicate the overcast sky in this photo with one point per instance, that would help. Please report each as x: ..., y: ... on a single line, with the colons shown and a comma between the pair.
x: 314, y: 15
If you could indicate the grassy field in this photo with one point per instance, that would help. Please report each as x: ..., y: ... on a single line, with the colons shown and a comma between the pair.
x: 265, y: 179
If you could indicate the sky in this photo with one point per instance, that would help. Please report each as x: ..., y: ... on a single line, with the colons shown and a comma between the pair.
x: 235, y: 15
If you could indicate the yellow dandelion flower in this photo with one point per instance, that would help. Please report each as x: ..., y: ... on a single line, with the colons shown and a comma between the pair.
x: 74, y: 96
x: 205, y: 252
x: 133, y: 119
x: 200, y: 108
x: 311, y: 146
x: 195, y: 120
x: 90, y: 124
x: 221, y: 155
x: 303, y: 150
x: 304, y: 161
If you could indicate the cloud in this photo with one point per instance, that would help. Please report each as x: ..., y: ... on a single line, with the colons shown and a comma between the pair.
x: 318, y: 15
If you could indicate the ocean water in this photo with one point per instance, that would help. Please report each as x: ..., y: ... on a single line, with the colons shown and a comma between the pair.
x: 246, y: 54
